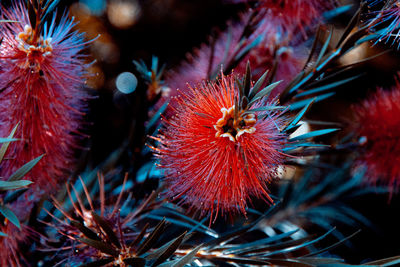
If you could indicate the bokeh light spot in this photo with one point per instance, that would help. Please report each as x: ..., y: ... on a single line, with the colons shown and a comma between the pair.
x: 126, y: 82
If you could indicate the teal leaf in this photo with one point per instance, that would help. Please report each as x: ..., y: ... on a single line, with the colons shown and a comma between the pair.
x: 248, y: 47
x: 7, y: 140
x: 258, y: 85
x: 188, y: 258
x: 324, y: 47
x: 337, y: 12
x: 264, y: 92
x: 295, y: 146
x: 18, y: 174
x: 302, y: 103
x: 14, y: 195
x: 10, y: 215
x: 298, y: 117
x: 156, y: 117
x: 313, y: 134
x: 10, y: 138
x: 3, y: 234
x: 10, y: 185
x: 328, y: 86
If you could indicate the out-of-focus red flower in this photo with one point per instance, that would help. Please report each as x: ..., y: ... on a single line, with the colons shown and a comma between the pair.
x: 205, y: 60
x: 9, y: 252
x: 272, y: 47
x: 41, y: 79
x: 217, y: 153
x: 289, y: 62
x: 291, y: 14
x: 378, y: 120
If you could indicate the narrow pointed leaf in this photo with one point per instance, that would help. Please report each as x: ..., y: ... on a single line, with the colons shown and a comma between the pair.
x: 3, y: 234
x: 337, y: 12
x: 86, y: 231
x: 151, y: 239
x: 18, y: 174
x: 248, y: 47
x: 14, y: 195
x: 353, y: 22
x: 4, y: 147
x: 140, y: 236
x: 247, y: 80
x: 295, y: 146
x: 156, y: 117
x: 328, y: 86
x: 314, y: 134
x: 258, y: 85
x: 169, y: 251
x: 302, y: 245
x: 298, y: 117
x: 267, y: 108
x: 332, y: 246
x: 7, y: 213
x: 302, y: 103
x: 188, y: 258
x: 385, y: 262
x: 107, y: 229
x: 324, y: 47
x: 264, y: 92
x: 7, y: 140
x: 99, y: 245
x: 6, y: 185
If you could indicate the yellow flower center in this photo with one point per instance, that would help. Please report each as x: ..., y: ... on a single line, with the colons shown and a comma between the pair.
x: 36, y: 51
x: 232, y: 128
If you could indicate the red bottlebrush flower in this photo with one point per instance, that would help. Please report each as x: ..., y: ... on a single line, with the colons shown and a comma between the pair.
x: 378, y: 120
x: 41, y: 80
x: 216, y: 152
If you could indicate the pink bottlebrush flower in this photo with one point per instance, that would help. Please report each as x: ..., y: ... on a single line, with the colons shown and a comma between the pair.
x: 271, y: 48
x: 378, y: 120
x: 204, y: 60
x: 41, y: 79
x: 288, y: 15
x: 216, y: 152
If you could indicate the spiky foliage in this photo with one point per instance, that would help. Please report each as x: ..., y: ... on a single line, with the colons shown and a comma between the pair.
x: 152, y: 76
x: 386, y: 22
x: 320, y: 198
x: 323, y: 74
x: 12, y: 233
x: 42, y: 75
x: 101, y: 235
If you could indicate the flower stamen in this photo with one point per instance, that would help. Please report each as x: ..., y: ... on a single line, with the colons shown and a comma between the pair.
x: 232, y: 128
x: 36, y: 51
